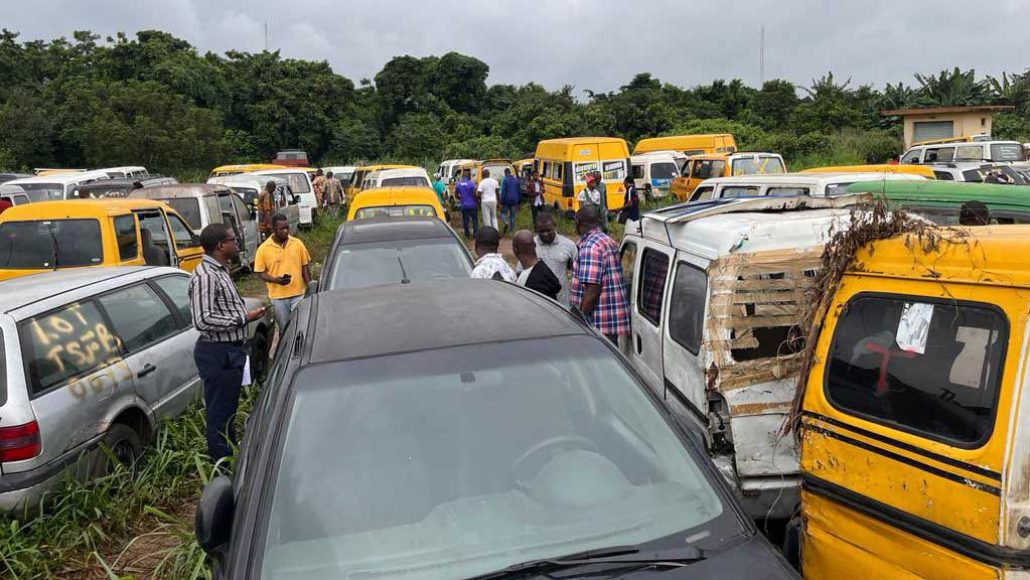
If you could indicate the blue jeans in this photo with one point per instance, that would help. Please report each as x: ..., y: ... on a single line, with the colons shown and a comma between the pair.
x: 508, y: 215
x: 470, y: 215
x: 282, y: 308
x: 221, y: 369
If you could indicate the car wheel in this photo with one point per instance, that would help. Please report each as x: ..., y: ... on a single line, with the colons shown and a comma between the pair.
x: 122, y: 445
x: 259, y: 356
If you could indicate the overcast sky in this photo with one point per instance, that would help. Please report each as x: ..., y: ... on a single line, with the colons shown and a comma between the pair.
x: 592, y: 44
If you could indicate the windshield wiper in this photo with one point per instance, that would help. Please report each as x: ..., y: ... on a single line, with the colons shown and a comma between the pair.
x: 621, y: 556
x: 404, y: 273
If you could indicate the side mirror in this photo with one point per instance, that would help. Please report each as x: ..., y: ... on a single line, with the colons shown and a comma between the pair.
x: 213, y: 521
x: 295, y: 199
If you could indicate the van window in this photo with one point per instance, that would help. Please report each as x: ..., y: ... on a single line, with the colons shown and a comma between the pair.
x: 937, y: 154
x: 687, y: 306
x: 757, y: 166
x: 969, y: 153
x: 654, y: 272
x: 663, y: 171
x: 183, y: 235
x: 189, y: 207
x: 780, y: 191
x: 638, y: 171
x: 1006, y: 152
x: 911, y: 157
x: 921, y: 365
x: 546, y: 171
x: 139, y: 316
x: 125, y: 234
x: 702, y: 193
x: 628, y: 254
x: 67, y: 343
x: 36, y: 191
x: 297, y: 181
x: 581, y: 170
x: 176, y: 288
x: 739, y: 191
x: 415, y: 181
x: 50, y: 244
x: 613, y: 170
x: 242, y: 213
x: 944, y: 176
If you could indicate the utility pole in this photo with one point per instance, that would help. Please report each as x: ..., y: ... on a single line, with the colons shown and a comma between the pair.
x: 266, y: 36
x: 761, y: 56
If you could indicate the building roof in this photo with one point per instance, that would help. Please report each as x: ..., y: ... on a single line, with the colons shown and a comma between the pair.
x: 945, y: 110
x: 993, y: 255
x: 429, y: 315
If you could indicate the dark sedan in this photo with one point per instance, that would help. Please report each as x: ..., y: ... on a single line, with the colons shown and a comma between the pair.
x: 391, y: 250
x: 417, y: 441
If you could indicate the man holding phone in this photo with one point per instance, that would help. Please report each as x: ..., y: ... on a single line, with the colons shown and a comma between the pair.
x: 221, y: 316
x: 282, y: 262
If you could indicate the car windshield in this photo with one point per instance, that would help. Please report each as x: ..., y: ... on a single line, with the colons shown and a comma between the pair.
x: 297, y: 181
x: 413, y: 181
x: 757, y: 165
x: 390, y: 262
x: 451, y: 463
x: 664, y: 171
x: 36, y: 191
x: 50, y: 244
x: 189, y: 208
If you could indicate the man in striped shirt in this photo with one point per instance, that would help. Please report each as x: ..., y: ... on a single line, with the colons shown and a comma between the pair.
x: 221, y: 316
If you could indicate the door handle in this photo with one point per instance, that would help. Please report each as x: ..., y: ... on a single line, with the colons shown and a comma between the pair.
x: 147, y: 369
x: 639, y: 346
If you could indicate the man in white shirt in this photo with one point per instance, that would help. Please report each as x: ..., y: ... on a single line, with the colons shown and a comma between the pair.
x: 491, y: 266
x: 488, y: 199
x: 593, y: 195
x: 555, y: 250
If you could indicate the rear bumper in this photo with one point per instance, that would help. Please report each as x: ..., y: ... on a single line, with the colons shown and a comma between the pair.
x: 24, y: 488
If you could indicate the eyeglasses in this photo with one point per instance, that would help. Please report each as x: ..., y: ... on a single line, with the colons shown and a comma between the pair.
x: 231, y: 240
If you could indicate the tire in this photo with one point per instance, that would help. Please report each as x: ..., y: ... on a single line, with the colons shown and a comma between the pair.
x: 259, y: 356
x: 123, y: 442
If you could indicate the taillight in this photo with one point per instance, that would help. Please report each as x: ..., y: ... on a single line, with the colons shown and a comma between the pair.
x: 20, y: 442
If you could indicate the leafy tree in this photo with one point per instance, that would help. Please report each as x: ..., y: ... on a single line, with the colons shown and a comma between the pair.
x: 952, y: 88
x: 417, y: 137
x: 773, y: 104
x: 459, y: 80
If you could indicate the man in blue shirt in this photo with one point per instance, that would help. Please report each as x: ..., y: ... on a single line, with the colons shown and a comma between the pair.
x: 511, y: 195
x: 466, y: 192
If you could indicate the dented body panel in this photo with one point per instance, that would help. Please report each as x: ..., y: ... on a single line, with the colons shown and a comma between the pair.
x: 893, y: 495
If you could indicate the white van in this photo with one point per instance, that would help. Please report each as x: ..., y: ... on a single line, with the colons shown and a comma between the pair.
x: 52, y: 187
x: 814, y: 184
x: 1010, y: 151
x: 342, y: 172
x: 126, y: 172
x: 448, y: 169
x: 248, y: 186
x: 408, y: 177
x: 717, y: 292
x: 300, y: 184
x: 653, y: 172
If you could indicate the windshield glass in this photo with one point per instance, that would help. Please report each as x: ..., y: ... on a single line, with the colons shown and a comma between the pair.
x: 298, y: 182
x: 395, y: 211
x: 1006, y: 152
x: 36, y: 191
x: 31, y: 244
x: 664, y: 171
x: 413, y: 181
x: 189, y: 208
x: 375, y: 263
x: 455, y: 462
x: 757, y: 165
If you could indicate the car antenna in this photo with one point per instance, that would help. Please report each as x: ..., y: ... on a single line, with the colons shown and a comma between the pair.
x: 404, y: 273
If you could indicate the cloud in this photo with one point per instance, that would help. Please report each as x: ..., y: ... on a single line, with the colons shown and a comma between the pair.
x: 592, y: 44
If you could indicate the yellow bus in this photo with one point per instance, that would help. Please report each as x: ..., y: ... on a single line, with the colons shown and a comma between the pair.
x: 688, y: 144
x: 564, y: 164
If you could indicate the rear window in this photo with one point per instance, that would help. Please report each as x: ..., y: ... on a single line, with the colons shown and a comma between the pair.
x: 739, y: 191
x: 664, y: 171
x: 757, y: 166
x: 189, y: 209
x: 919, y: 365
x: 36, y: 191
x: 396, y: 211
x: 50, y: 244
x: 68, y: 343
x: 415, y: 181
x: 1006, y: 152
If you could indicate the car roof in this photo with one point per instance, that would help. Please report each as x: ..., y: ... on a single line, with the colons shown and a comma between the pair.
x: 25, y: 290
x: 398, y: 172
x: 932, y: 190
x: 179, y: 190
x: 71, y: 208
x: 61, y: 178
x: 379, y: 229
x: 806, y: 178
x: 425, y: 315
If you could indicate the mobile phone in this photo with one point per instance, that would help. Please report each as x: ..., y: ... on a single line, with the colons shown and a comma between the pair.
x: 287, y: 278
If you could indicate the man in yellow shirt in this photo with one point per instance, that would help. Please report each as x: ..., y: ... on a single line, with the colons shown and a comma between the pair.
x: 282, y: 262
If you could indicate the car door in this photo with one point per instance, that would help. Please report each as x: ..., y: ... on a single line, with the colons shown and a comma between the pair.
x: 248, y: 227
x: 646, y: 306
x: 173, y: 289
x: 187, y: 245
x: 683, y: 334
x: 157, y: 245
x: 152, y: 337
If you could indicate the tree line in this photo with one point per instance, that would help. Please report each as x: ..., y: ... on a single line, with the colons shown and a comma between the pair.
x: 155, y: 100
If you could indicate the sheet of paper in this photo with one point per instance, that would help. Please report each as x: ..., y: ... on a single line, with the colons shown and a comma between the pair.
x: 246, y: 372
x: 914, y: 327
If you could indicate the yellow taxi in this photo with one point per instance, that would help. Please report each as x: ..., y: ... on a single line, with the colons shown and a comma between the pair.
x: 915, y: 417
x: 82, y: 233
x: 688, y: 144
x: 396, y: 201
x: 565, y: 163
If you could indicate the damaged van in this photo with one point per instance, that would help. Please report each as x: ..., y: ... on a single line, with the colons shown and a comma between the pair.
x: 717, y: 291
x: 915, y: 419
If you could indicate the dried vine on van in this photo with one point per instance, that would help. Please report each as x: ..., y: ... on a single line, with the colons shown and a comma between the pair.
x: 869, y: 222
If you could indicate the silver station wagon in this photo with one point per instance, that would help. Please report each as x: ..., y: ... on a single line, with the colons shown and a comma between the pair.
x: 91, y: 356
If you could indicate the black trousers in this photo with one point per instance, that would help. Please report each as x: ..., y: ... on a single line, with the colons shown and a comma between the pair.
x: 221, y: 369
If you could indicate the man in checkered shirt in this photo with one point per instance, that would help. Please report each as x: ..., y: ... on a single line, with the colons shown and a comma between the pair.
x: 598, y: 287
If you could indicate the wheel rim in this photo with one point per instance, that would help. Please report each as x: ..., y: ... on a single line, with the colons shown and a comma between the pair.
x: 124, y: 452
